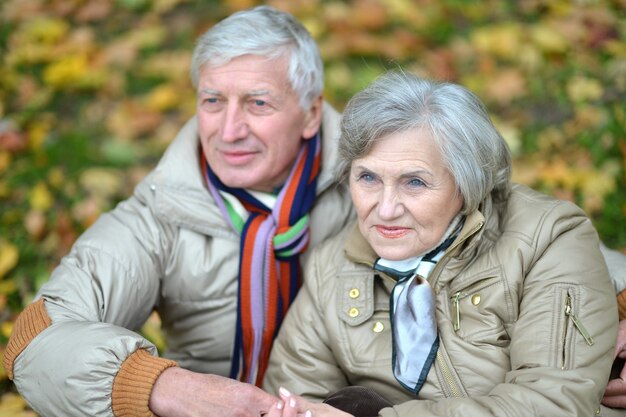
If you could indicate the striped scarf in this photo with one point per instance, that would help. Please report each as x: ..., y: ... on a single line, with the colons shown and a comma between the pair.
x: 269, y: 268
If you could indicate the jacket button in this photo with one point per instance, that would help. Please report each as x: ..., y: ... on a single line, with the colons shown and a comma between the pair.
x: 378, y: 327
x: 353, y: 312
x: 354, y: 293
x: 476, y: 299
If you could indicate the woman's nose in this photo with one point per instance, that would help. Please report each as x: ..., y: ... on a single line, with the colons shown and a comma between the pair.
x: 389, y: 205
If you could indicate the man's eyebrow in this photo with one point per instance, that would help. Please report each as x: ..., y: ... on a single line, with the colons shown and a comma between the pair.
x: 255, y: 93
x: 209, y: 91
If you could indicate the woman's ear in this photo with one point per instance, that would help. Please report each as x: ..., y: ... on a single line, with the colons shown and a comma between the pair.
x: 313, y: 118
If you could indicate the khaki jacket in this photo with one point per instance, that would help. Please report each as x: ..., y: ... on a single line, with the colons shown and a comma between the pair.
x: 526, y: 297
x: 165, y: 248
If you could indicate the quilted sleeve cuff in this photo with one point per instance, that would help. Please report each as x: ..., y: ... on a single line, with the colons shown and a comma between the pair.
x: 621, y: 304
x: 134, y: 381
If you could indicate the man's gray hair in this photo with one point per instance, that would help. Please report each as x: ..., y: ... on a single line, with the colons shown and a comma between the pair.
x: 270, y: 33
x: 472, y: 149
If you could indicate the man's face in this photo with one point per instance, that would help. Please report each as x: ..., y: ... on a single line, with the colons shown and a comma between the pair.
x: 250, y: 122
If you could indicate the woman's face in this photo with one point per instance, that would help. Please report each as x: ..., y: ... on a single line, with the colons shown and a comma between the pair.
x: 405, y: 197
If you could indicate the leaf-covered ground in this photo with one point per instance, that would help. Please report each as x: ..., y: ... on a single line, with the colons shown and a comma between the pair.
x: 92, y: 91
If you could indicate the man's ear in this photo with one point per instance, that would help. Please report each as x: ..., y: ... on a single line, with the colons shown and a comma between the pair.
x: 313, y: 118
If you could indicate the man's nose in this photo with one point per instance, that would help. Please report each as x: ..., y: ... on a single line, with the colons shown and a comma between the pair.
x: 389, y: 204
x: 234, y: 124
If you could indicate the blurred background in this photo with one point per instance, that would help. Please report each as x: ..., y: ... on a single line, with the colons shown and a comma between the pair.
x: 92, y: 91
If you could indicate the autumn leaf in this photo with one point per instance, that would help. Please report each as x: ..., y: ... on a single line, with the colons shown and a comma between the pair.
x: 506, y: 86
x: 40, y: 197
x: 581, y: 89
x: 548, y: 39
x: 9, y: 255
x: 102, y: 183
x: 64, y: 72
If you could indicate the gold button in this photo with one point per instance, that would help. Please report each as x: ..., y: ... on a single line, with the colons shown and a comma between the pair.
x: 476, y: 299
x: 353, y: 312
x: 354, y: 293
x: 378, y: 327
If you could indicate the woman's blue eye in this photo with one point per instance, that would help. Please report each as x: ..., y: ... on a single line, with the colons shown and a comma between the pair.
x: 367, y: 177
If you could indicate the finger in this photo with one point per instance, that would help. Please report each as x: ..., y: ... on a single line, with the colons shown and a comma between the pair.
x: 616, y: 387
x: 291, y: 408
x: 284, y: 393
x: 615, y: 401
x: 275, y: 410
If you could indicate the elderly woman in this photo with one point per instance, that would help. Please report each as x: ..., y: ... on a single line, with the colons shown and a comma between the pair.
x: 456, y: 292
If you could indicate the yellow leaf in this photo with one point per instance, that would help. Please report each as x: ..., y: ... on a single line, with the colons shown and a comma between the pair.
x: 163, y: 97
x: 44, y: 30
x: 9, y: 255
x: 500, y: 40
x: 56, y: 177
x: 37, y: 133
x: 8, y: 287
x: 584, y: 89
x: 65, y: 71
x: 40, y: 197
x: 12, y: 405
x: 101, y: 182
x: 6, y: 328
x: 548, y: 39
x: 5, y: 160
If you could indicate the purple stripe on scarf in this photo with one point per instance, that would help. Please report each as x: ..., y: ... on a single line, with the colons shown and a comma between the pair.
x: 220, y: 203
x: 303, y: 233
x: 259, y: 287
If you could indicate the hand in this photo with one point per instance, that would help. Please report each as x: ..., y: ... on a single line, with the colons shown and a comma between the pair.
x: 615, y: 394
x: 291, y: 405
x: 179, y: 392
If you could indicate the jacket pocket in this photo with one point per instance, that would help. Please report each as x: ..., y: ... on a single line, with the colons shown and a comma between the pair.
x: 479, y: 306
x: 570, y: 327
x: 364, y: 325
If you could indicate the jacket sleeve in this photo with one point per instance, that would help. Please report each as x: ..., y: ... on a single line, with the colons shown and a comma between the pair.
x: 73, y: 341
x: 555, y: 370
x: 301, y: 359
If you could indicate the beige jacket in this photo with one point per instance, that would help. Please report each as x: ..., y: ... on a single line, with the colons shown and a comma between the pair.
x: 519, y: 350
x: 168, y: 248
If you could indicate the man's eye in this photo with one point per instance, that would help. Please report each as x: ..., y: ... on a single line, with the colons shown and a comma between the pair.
x: 415, y: 182
x: 260, y: 103
x: 211, y: 100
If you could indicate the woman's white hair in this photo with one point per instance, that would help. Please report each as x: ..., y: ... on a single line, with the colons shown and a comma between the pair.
x: 270, y: 33
x: 472, y: 148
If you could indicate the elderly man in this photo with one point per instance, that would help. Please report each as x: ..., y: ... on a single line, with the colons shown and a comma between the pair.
x: 213, y: 239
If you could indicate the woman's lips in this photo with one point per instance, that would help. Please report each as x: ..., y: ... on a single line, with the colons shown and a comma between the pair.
x: 391, y: 232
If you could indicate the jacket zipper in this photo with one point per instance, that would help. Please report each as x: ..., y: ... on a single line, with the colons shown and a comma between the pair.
x: 432, y: 279
x: 447, y: 374
x: 577, y: 323
x: 456, y: 324
x: 569, y: 313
